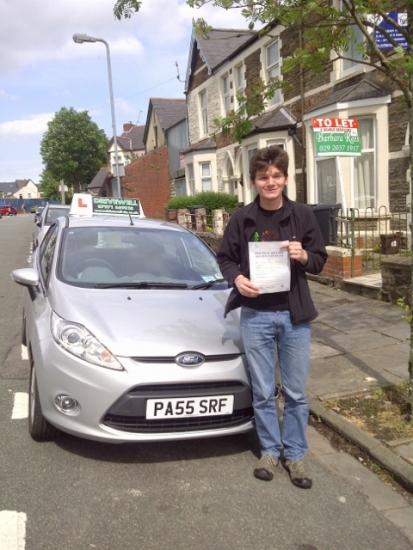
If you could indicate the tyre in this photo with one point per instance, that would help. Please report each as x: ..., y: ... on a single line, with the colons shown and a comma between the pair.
x: 39, y: 427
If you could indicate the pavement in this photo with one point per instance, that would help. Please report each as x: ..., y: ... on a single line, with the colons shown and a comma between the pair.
x: 358, y: 345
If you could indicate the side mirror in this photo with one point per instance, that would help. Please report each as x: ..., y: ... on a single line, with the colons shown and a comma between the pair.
x: 27, y: 276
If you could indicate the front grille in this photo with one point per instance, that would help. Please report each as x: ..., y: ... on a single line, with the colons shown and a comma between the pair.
x: 142, y: 425
x: 128, y: 414
x: 192, y: 389
x: 208, y: 358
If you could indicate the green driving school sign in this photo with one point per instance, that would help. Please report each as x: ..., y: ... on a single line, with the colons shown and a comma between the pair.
x: 336, y: 137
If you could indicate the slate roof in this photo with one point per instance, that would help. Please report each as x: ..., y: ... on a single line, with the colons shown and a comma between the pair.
x: 361, y: 90
x: 13, y: 186
x: 169, y: 111
x: 277, y: 119
x: 221, y: 44
x: 218, y: 46
x: 206, y: 144
x: 135, y: 133
x: 99, y: 179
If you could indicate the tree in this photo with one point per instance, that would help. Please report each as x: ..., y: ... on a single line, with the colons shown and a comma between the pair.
x: 327, y: 29
x: 50, y: 187
x: 73, y: 148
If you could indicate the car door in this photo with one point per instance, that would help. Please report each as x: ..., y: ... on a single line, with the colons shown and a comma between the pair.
x: 37, y: 308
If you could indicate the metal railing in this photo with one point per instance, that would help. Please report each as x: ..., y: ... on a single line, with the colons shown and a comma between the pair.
x: 374, y: 232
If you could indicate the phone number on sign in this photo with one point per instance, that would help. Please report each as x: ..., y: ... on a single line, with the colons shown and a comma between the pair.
x: 337, y: 148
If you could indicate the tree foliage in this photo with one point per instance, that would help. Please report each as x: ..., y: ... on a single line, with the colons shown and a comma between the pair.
x: 50, y: 188
x: 126, y: 8
x: 327, y: 29
x: 73, y: 148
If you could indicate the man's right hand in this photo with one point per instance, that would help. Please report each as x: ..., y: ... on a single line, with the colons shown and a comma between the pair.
x: 246, y: 287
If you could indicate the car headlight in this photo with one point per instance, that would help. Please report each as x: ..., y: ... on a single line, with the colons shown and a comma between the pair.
x: 76, y: 339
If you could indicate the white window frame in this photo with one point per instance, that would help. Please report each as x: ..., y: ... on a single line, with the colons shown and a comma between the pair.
x: 191, y: 179
x: 335, y: 176
x: 203, y: 108
x: 356, y: 160
x: 226, y: 93
x: 272, y: 67
x: 347, y: 65
x: 205, y: 178
x: 239, y: 82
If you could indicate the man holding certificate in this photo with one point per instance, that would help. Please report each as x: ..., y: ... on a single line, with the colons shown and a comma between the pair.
x: 267, y: 248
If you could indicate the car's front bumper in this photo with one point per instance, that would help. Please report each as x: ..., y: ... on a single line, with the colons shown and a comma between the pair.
x: 112, y: 404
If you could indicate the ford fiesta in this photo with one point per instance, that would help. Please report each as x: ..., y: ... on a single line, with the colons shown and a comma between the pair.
x: 123, y: 321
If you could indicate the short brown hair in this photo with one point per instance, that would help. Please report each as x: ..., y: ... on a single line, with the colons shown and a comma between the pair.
x: 269, y: 156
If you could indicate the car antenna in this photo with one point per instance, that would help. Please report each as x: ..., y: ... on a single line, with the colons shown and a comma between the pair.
x: 130, y: 217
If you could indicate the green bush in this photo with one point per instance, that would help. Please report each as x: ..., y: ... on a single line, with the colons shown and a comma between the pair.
x: 209, y: 199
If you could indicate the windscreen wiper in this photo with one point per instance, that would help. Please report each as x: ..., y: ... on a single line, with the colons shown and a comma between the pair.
x: 207, y: 284
x: 141, y: 284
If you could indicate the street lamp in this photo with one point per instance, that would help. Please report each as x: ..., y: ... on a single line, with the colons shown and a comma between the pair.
x: 79, y: 39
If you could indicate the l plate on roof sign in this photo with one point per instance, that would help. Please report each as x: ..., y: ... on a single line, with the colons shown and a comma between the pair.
x: 336, y: 137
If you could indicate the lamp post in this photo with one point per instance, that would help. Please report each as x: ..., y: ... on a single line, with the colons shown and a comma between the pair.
x: 79, y: 39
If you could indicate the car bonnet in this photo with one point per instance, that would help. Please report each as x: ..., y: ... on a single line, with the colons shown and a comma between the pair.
x: 152, y: 323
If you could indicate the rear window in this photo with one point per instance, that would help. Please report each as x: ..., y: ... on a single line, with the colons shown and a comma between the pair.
x: 54, y: 213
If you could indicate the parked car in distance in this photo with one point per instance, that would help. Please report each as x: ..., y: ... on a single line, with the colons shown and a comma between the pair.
x: 7, y: 210
x: 49, y: 215
x: 123, y: 319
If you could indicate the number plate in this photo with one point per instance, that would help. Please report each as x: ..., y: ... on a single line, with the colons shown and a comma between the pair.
x: 190, y: 406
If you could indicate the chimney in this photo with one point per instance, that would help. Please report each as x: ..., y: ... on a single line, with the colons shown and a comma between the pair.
x: 127, y: 126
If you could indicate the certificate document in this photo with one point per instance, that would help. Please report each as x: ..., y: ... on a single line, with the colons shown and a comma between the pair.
x: 270, y: 266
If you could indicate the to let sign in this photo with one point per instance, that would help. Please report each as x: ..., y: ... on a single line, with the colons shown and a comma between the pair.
x: 336, y: 137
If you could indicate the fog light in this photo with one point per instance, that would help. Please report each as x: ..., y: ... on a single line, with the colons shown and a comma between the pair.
x: 66, y: 403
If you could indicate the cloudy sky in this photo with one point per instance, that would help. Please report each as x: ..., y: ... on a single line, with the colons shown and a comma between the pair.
x: 43, y: 70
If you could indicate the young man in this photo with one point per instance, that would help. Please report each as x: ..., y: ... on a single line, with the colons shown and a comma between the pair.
x: 275, y: 322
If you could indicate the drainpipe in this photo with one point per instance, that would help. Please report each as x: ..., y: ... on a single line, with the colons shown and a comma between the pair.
x: 304, y: 149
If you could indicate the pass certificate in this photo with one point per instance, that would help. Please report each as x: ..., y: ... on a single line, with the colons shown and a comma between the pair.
x: 270, y: 266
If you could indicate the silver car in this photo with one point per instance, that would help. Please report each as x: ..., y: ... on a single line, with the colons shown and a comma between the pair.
x: 47, y: 216
x: 123, y: 321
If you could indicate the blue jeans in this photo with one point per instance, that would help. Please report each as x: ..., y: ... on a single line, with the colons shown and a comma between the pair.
x: 266, y: 333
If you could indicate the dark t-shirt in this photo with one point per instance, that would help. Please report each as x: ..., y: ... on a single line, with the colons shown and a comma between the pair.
x: 267, y: 229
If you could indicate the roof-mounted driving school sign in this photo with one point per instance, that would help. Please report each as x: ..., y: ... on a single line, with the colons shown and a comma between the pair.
x: 336, y: 137
x: 86, y: 205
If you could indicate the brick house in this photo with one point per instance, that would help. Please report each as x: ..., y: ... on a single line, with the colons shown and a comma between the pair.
x: 228, y: 61
x: 151, y: 177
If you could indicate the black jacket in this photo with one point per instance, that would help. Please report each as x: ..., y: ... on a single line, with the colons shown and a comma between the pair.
x: 297, y: 222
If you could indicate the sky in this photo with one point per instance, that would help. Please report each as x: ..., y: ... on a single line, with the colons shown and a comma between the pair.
x: 43, y: 70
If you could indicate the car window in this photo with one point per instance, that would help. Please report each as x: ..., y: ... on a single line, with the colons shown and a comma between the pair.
x: 46, y: 254
x: 53, y: 213
x: 95, y: 255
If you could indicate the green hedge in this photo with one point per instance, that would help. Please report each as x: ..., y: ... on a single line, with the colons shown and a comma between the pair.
x: 209, y: 199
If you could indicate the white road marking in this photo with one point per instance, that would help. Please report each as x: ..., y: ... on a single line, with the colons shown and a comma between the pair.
x: 25, y: 353
x: 12, y: 530
x: 20, y: 406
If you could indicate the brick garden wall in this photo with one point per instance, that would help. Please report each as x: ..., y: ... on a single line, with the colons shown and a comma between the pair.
x: 147, y: 179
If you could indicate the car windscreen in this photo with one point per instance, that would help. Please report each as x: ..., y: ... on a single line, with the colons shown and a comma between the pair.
x: 137, y: 257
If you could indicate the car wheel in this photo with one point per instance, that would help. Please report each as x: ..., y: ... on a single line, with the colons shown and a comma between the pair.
x: 39, y: 427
